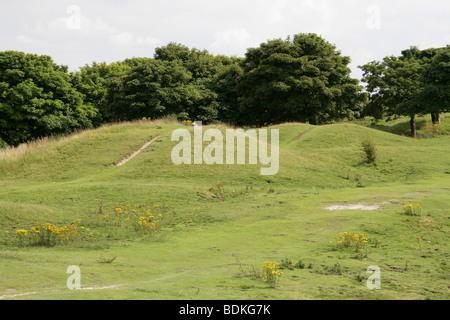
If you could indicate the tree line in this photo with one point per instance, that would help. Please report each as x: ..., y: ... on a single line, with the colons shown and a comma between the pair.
x: 299, y: 79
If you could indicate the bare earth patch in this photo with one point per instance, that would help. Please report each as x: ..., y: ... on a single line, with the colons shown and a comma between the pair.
x: 357, y: 206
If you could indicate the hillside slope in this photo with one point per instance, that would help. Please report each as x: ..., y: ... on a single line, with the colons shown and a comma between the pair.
x: 261, y: 218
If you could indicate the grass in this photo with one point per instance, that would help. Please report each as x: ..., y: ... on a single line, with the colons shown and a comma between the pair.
x: 195, y: 252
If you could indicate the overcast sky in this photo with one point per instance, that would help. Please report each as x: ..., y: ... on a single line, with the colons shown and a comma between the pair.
x: 79, y: 32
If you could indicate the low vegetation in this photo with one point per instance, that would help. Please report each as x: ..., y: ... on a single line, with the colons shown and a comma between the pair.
x: 174, y: 232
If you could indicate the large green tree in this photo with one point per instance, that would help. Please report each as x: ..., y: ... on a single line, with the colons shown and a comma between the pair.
x: 435, y: 95
x: 92, y: 81
x: 225, y: 85
x: 158, y: 88
x: 37, y: 99
x: 300, y: 79
x: 394, y: 85
x: 202, y: 65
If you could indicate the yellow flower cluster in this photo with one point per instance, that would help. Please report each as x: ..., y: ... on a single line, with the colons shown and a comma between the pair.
x: 144, y: 220
x: 270, y: 273
x: 21, y: 233
x: 146, y: 225
x: 347, y: 240
x: 187, y: 122
x: 147, y: 119
x: 48, y: 234
x: 413, y: 211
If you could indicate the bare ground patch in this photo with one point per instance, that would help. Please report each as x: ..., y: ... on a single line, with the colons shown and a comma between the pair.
x: 354, y: 206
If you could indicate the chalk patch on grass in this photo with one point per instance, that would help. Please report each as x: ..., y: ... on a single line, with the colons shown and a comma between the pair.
x: 353, y: 207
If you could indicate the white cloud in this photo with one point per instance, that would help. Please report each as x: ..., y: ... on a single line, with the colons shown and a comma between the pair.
x: 127, y: 39
x: 27, y: 40
x: 112, y: 30
x: 66, y: 25
x: 231, y: 42
x: 122, y: 39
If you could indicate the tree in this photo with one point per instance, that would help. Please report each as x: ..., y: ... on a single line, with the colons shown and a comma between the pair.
x: 225, y: 85
x: 395, y: 83
x: 158, y: 88
x: 435, y: 95
x: 92, y: 81
x: 304, y: 79
x: 37, y: 99
x: 200, y: 63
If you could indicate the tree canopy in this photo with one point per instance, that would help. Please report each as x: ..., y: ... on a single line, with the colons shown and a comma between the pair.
x: 434, y: 97
x: 37, y: 99
x: 299, y: 79
x: 304, y: 79
x: 404, y: 85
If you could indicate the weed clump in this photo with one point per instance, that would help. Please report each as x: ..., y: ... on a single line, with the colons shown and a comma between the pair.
x: 271, y: 274
x: 411, y: 210
x: 370, y: 151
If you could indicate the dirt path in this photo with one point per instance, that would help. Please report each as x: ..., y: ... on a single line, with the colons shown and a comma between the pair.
x: 122, y: 162
x: 53, y: 291
x: 304, y: 134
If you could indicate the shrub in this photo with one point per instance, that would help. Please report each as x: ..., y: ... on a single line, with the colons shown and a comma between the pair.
x: 335, y: 270
x: 145, y: 221
x: 410, y: 210
x: 271, y: 275
x: 300, y: 265
x: 286, y: 264
x: 49, y: 235
x: 370, y: 151
x: 356, y: 240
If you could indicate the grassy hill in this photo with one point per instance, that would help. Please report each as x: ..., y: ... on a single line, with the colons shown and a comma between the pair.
x: 207, y: 248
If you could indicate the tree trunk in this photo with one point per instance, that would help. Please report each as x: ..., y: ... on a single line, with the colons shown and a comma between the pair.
x: 413, y: 126
x: 436, y: 118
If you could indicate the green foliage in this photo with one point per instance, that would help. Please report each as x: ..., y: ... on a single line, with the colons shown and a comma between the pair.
x: 302, y: 80
x: 93, y: 80
x: 3, y: 144
x: 393, y: 81
x: 37, y: 99
x: 435, y: 95
x: 289, y: 265
x: 173, y: 83
x: 370, y: 151
x: 225, y: 86
x: 414, y: 83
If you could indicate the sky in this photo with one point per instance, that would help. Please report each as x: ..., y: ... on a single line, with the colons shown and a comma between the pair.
x: 79, y: 32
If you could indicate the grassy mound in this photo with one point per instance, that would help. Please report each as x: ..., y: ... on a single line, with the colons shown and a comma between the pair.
x: 205, y: 232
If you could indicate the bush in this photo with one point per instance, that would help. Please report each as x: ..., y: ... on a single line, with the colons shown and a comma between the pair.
x: 410, y: 210
x: 271, y: 274
x: 370, y: 151
x: 3, y: 144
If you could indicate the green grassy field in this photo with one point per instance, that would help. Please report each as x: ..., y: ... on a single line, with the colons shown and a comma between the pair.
x: 204, y: 248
